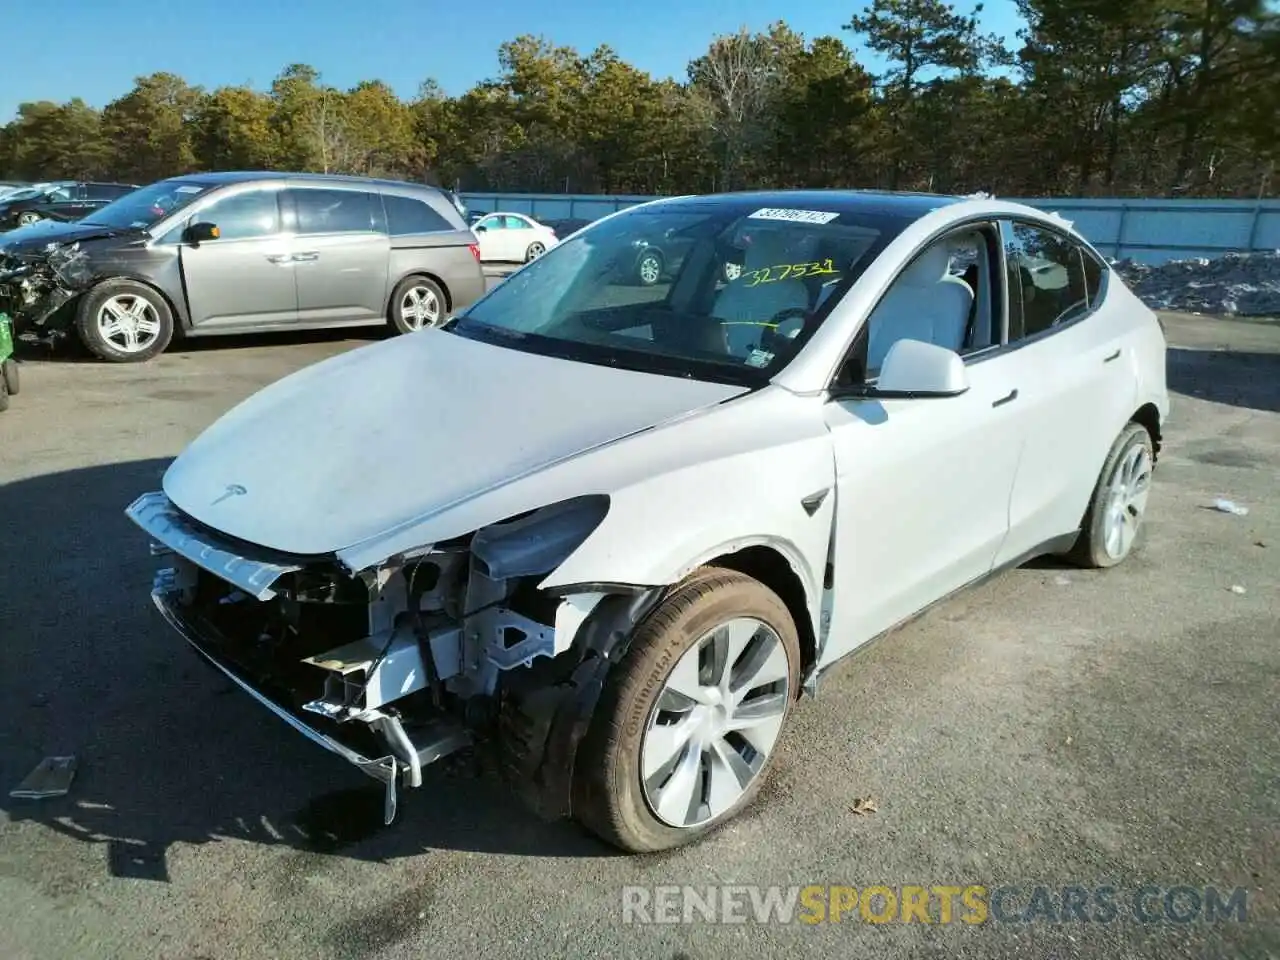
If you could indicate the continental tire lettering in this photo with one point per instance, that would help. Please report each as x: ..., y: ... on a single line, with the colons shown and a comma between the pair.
x: 641, y: 705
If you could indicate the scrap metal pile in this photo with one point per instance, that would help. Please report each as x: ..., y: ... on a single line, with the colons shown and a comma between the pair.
x: 1235, y: 284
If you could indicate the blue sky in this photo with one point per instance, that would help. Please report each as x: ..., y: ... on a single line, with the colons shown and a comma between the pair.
x: 215, y: 42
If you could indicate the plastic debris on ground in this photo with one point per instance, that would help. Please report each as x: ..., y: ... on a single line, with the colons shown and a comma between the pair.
x: 1237, y: 589
x: 1235, y: 284
x: 51, y: 778
x: 1231, y: 507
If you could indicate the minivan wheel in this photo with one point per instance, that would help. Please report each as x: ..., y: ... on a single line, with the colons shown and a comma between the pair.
x: 689, y: 720
x: 124, y: 322
x: 416, y: 304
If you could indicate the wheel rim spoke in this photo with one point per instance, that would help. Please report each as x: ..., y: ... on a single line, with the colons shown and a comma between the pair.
x: 1126, y: 502
x: 677, y: 797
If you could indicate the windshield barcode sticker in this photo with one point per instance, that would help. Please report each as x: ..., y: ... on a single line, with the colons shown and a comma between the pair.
x: 794, y: 216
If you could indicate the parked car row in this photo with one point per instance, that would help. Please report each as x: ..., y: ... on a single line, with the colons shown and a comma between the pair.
x: 62, y: 200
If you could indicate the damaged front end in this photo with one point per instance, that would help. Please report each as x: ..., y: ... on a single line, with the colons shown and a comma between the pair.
x: 36, y: 285
x: 396, y: 666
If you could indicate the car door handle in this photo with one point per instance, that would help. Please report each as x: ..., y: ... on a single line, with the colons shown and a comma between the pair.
x: 1114, y: 356
x: 280, y: 257
x: 306, y: 257
x: 1013, y: 395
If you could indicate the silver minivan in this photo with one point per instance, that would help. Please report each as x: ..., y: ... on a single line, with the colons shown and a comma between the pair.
x: 222, y: 253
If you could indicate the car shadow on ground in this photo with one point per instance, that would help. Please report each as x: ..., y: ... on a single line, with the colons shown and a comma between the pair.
x: 168, y: 750
x: 1240, y: 379
x: 70, y: 350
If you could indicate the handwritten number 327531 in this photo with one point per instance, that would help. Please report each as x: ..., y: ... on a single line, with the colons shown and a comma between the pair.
x: 784, y: 271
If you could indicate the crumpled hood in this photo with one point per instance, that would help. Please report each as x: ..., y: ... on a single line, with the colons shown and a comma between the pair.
x: 354, y: 446
x: 25, y: 241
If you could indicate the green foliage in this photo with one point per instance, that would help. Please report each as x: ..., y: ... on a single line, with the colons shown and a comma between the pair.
x: 1119, y: 97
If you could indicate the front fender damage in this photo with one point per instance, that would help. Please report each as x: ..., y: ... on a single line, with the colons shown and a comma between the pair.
x: 34, y: 287
x: 406, y: 661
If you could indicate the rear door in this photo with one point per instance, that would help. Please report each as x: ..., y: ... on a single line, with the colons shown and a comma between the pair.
x: 245, y: 277
x: 1080, y: 386
x: 341, y: 255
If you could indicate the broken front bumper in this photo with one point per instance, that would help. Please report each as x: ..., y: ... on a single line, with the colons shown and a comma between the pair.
x: 403, y: 765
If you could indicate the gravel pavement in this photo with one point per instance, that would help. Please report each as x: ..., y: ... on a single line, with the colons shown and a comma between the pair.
x: 1054, y: 727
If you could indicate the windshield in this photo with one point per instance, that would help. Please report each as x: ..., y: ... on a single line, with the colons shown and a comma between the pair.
x: 143, y: 207
x: 713, y: 291
x: 25, y: 193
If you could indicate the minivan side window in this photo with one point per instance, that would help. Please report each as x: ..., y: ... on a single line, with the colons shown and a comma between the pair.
x: 334, y: 211
x: 406, y: 215
x: 244, y: 216
x: 1047, y: 281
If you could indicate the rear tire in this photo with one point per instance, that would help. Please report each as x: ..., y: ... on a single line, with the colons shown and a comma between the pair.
x: 124, y: 321
x: 28, y: 217
x: 9, y: 373
x: 1113, y: 520
x: 4, y: 396
x: 630, y: 729
x: 536, y: 249
x: 417, y: 303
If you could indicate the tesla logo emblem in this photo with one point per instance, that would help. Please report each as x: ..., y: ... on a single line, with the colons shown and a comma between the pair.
x: 233, y: 490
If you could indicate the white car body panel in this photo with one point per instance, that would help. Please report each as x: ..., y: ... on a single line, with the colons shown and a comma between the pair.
x: 922, y: 498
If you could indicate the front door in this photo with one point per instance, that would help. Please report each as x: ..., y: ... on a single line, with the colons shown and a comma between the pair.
x: 923, y: 485
x: 922, y: 497
x: 492, y: 234
x: 245, y: 276
x: 341, y: 255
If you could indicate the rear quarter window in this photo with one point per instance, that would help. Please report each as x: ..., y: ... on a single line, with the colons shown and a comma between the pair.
x: 406, y: 216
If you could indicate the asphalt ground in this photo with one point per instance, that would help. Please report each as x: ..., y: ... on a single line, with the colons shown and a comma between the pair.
x: 1053, y: 727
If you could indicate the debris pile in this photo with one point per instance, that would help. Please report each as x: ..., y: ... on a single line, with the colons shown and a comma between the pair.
x: 1235, y: 284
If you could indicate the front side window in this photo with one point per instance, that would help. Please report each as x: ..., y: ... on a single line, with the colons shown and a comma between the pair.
x: 943, y: 297
x: 586, y: 299
x: 333, y: 211
x: 244, y: 216
x: 1047, y: 283
x: 492, y: 223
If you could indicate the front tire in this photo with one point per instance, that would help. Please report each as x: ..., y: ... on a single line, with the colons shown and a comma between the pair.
x: 1113, y: 520
x: 689, y: 720
x: 10, y: 374
x: 123, y: 321
x: 28, y: 217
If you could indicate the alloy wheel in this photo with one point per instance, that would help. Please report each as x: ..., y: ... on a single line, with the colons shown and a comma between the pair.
x: 650, y: 269
x: 1126, y: 501
x: 420, y: 308
x: 129, y: 323
x: 715, y: 722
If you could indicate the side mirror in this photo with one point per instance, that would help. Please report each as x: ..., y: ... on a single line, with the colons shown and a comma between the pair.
x: 201, y: 232
x: 915, y: 370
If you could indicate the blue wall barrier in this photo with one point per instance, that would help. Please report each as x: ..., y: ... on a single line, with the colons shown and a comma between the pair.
x: 1151, y: 231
